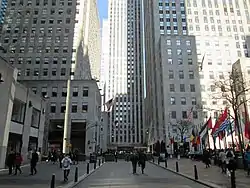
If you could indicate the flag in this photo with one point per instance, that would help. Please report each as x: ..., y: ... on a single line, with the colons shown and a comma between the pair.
x: 220, y: 120
x: 110, y: 103
x: 202, y: 61
x: 190, y: 114
x: 191, y: 137
x: 228, y: 129
x: 198, y: 140
x: 222, y: 134
x: 208, y: 125
x: 247, y: 123
x: 222, y: 127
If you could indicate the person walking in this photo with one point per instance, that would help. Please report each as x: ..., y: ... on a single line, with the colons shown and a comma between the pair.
x: 247, y: 158
x: 33, y: 162
x: 18, y: 162
x: 231, y: 164
x: 223, y: 156
x: 134, y: 159
x: 66, y: 162
x: 206, y: 158
x: 142, y: 161
x: 11, y: 161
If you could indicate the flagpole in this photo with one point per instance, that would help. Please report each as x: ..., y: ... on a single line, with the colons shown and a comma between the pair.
x: 231, y: 130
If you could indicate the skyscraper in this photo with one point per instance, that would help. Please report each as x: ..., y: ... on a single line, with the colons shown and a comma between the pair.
x: 220, y: 29
x: 125, y: 79
x: 51, y: 42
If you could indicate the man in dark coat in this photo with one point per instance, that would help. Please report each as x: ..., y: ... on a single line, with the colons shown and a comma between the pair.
x: 11, y: 161
x: 33, y: 162
x: 134, y: 159
x: 142, y: 161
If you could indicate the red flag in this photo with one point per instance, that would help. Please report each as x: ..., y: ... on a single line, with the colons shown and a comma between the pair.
x: 209, y: 123
x: 222, y: 134
x: 198, y: 140
x: 247, y: 123
x: 220, y: 120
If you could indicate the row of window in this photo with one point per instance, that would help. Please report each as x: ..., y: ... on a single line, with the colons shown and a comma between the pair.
x: 183, y: 101
x: 179, y: 51
x: 182, y: 88
x: 74, y: 108
x: 179, y: 42
x: 45, y: 72
x: 181, y: 74
x: 39, y: 3
x: 54, y: 91
x: 184, y: 114
x: 38, y: 60
x: 180, y: 61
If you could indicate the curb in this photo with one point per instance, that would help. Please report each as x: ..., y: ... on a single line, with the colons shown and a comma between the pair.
x: 72, y: 184
x: 207, y: 184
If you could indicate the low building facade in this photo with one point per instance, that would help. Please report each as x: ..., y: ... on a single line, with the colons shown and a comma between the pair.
x: 22, y: 116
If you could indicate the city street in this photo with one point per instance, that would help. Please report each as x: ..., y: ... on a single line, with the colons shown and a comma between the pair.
x: 211, y: 175
x: 42, y: 178
x: 119, y: 175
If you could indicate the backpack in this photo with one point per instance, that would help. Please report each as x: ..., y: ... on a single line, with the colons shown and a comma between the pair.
x: 66, y: 163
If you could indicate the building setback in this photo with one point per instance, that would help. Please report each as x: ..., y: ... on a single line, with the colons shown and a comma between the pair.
x: 50, y: 42
x: 125, y: 82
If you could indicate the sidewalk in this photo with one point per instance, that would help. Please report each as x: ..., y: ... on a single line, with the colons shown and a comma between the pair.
x: 42, y: 178
x: 211, y: 175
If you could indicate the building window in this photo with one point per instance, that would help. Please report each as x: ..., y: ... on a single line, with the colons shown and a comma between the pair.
x: 171, y: 88
x: 195, y: 114
x: 184, y: 114
x: 18, y: 111
x: 36, y: 72
x: 63, y: 107
x: 54, y: 91
x: 181, y: 74
x: 191, y: 74
x: 172, y: 100
x: 182, y: 87
x: 74, y: 108
x: 183, y: 101
x: 44, y: 91
x: 27, y: 72
x: 212, y: 87
x: 171, y: 74
x: 188, y: 43
x: 173, y: 114
x: 193, y: 101
x: 35, y: 118
x: 75, y: 92
x: 53, y: 108
x: 192, y: 87
x: 34, y: 90
x: 45, y: 72
x: 63, y: 71
x: 170, y: 61
x: 64, y: 92
x: 84, y: 108
x: 53, y: 72
x: 85, y: 92
x: 190, y: 61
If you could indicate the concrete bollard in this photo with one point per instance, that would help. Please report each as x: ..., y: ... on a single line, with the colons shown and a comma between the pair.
x: 195, y: 173
x: 177, y: 166
x: 153, y: 159
x: 166, y: 163
x: 95, y: 165
x: 103, y: 160
x: 76, y: 174
x: 99, y: 162
x: 158, y: 160
x: 87, y: 168
x: 53, y: 181
x: 233, y: 181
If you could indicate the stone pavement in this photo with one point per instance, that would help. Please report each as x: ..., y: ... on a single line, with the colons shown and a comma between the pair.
x: 119, y: 175
x: 42, y: 178
x: 211, y: 175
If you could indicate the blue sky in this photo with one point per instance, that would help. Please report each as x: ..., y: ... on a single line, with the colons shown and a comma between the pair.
x: 103, y: 9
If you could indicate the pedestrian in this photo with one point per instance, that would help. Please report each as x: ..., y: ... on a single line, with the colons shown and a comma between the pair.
x: 231, y: 164
x: 206, y: 158
x: 142, y: 161
x: 18, y: 162
x: 247, y: 158
x: 223, y: 156
x: 33, y: 162
x: 11, y: 161
x: 66, y: 162
x: 134, y: 159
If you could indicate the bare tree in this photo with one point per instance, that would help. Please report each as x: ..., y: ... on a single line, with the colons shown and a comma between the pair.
x: 234, y: 90
x: 183, y: 127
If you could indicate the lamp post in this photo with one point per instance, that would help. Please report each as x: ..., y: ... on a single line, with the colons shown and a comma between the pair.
x: 1, y: 80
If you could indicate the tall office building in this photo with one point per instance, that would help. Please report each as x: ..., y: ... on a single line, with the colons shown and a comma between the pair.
x: 53, y: 41
x: 220, y: 29
x: 125, y: 79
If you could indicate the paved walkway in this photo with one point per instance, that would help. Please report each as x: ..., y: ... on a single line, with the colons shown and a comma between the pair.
x: 212, y: 174
x: 118, y: 175
x: 42, y: 178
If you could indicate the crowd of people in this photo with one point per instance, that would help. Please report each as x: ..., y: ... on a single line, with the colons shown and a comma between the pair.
x: 226, y: 160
